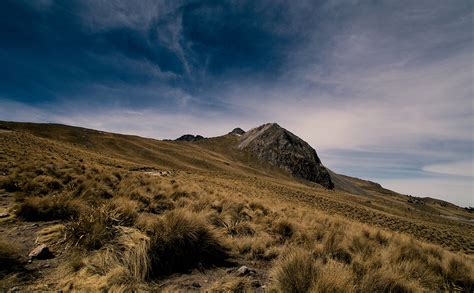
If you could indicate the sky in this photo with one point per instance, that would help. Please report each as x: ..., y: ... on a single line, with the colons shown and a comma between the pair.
x: 383, y: 90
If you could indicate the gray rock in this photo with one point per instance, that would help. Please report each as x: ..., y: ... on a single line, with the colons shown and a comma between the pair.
x: 244, y: 271
x: 196, y: 285
x: 256, y: 284
x: 40, y: 252
x: 281, y: 148
x: 237, y: 131
x: 190, y: 138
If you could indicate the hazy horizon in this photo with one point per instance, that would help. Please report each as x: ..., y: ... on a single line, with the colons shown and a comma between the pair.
x: 383, y: 91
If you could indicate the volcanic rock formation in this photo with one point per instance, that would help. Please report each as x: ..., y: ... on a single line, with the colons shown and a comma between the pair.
x: 237, y: 131
x: 190, y: 137
x: 281, y: 148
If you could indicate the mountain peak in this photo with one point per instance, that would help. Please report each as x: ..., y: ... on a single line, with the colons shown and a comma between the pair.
x: 274, y: 144
x: 190, y: 137
x: 237, y: 131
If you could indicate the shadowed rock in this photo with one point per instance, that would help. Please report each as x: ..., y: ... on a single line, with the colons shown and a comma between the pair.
x: 237, y: 131
x: 190, y: 137
x: 281, y: 148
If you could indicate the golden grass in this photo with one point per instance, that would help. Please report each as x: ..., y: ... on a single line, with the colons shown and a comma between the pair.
x: 129, y: 230
x: 37, y: 208
x: 9, y: 256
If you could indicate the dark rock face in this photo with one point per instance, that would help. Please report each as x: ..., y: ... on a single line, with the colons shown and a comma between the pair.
x: 281, y: 148
x: 190, y: 137
x: 237, y: 131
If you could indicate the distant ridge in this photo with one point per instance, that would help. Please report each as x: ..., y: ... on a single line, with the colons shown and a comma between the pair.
x: 190, y: 137
x: 279, y: 147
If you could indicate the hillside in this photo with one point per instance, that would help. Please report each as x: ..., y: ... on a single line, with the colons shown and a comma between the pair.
x: 120, y: 211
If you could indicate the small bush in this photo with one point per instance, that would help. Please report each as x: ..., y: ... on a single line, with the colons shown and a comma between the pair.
x: 48, y: 208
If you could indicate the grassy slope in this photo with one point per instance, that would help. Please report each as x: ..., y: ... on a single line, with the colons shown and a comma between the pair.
x: 428, y: 219
x: 216, y: 167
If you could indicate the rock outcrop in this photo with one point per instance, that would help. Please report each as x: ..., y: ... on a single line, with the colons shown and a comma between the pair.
x: 279, y: 147
x: 237, y: 131
x: 190, y: 137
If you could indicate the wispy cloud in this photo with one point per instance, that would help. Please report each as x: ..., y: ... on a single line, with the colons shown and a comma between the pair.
x: 382, y: 91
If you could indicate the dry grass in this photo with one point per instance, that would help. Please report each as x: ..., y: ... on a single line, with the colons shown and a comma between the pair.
x: 9, y: 257
x: 128, y: 230
x: 181, y: 241
x: 37, y: 208
x: 97, y: 226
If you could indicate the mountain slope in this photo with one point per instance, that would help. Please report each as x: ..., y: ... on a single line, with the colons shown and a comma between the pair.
x: 59, y: 185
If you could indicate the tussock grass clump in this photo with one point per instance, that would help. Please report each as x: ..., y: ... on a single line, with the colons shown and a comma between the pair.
x: 284, y: 228
x: 122, y: 265
x: 181, y: 241
x: 42, y: 185
x: 48, y: 208
x: 97, y: 226
x: 333, y: 277
x: 9, y: 256
x: 387, y: 280
x: 459, y: 274
x: 296, y: 272
x: 11, y: 183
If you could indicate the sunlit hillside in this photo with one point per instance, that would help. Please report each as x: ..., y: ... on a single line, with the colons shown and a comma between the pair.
x: 117, y: 212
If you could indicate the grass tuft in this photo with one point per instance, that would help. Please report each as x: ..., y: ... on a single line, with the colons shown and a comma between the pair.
x: 181, y: 241
x: 48, y: 208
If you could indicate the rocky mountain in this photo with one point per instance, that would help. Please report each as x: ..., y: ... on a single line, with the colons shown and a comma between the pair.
x: 190, y: 137
x: 279, y: 147
x: 237, y: 131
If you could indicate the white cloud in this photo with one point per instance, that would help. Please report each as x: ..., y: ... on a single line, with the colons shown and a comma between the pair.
x: 461, y: 168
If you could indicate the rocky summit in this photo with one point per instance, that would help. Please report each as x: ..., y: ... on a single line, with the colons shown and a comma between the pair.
x: 237, y: 131
x: 279, y: 147
x: 190, y: 137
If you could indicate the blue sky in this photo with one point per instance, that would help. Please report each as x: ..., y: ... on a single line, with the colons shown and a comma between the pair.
x: 382, y: 89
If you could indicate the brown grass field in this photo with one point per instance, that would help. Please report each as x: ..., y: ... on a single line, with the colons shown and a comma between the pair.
x: 124, y: 213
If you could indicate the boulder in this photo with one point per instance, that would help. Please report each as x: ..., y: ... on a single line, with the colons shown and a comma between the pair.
x: 244, y: 271
x: 40, y: 252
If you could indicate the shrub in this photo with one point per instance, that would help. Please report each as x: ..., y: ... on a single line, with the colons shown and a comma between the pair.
x: 180, y: 242
x: 48, y: 208
x: 296, y: 272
